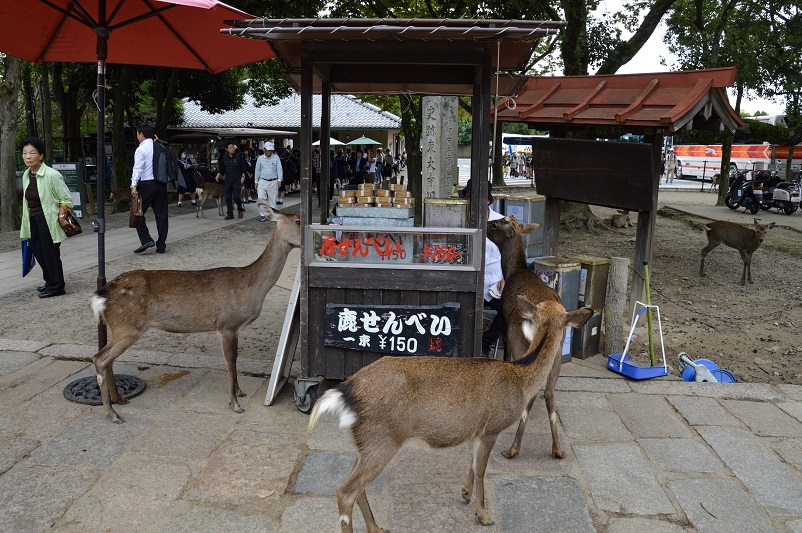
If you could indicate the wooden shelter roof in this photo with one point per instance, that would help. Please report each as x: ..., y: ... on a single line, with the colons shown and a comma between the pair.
x: 427, y: 56
x: 692, y: 99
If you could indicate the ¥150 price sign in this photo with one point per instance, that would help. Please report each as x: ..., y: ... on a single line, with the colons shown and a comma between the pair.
x: 394, y: 329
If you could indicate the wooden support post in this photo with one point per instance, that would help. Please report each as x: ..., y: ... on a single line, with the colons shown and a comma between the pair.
x: 615, y: 311
x: 551, y: 226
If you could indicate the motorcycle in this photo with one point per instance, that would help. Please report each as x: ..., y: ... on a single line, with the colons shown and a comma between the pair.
x: 784, y: 195
x: 743, y: 194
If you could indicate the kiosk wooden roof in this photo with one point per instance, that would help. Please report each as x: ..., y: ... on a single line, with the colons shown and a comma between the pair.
x: 665, y: 100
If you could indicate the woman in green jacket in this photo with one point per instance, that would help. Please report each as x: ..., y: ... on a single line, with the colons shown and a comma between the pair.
x: 44, y: 201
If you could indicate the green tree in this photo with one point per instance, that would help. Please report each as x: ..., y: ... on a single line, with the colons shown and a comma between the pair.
x: 10, y: 86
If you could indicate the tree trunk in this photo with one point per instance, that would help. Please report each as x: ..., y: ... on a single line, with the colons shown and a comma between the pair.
x: 573, y: 45
x: 788, y: 163
x: 121, y: 178
x: 70, y: 116
x: 724, y: 178
x: 164, y: 101
x: 47, y: 111
x: 411, y: 120
x: 9, y: 97
x: 30, y: 109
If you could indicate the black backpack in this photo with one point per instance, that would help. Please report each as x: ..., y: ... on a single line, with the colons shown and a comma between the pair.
x: 165, y: 164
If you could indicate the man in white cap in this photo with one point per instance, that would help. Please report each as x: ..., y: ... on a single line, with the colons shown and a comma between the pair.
x: 268, y: 177
x: 671, y: 166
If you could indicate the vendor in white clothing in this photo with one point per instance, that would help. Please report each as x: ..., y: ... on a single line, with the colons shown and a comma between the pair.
x: 268, y: 175
x: 494, y: 278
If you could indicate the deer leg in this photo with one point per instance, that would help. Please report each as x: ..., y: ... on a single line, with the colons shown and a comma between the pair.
x: 367, y: 514
x: 467, y: 488
x: 515, y: 448
x: 747, y: 259
x: 103, y: 360
x: 556, y: 450
x: 366, y: 468
x: 481, y: 453
x: 228, y: 340
x: 706, y: 250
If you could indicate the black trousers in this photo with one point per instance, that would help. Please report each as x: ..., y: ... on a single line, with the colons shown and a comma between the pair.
x: 154, y: 194
x: 496, y: 328
x: 232, y: 189
x: 47, y: 254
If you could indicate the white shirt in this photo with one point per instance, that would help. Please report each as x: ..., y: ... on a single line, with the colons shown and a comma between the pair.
x: 268, y: 168
x: 493, y: 273
x: 143, y: 163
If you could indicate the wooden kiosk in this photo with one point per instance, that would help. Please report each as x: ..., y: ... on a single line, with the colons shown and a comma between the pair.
x: 369, y: 291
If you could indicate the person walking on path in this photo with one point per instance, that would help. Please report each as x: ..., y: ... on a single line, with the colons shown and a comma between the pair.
x: 187, y: 169
x: 269, y: 176
x: 232, y: 167
x: 152, y: 191
x: 44, y: 201
x: 671, y: 166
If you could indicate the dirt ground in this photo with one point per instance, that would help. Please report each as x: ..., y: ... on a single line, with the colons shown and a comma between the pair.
x: 752, y: 331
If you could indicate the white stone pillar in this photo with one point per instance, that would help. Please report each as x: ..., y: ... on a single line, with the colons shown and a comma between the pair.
x: 440, y: 171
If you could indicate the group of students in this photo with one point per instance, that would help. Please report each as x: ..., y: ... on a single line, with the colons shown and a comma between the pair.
x: 517, y: 165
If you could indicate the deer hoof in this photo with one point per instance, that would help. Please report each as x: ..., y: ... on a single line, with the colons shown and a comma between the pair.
x: 241, y: 394
x: 485, y: 520
x: 115, y: 418
x: 558, y: 453
x: 466, y: 495
x: 512, y: 453
x: 237, y: 409
x: 119, y: 401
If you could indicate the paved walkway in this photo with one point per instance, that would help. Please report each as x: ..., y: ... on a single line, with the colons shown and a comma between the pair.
x: 652, y: 456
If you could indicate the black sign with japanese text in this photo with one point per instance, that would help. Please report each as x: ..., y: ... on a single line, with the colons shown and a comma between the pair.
x: 395, y: 329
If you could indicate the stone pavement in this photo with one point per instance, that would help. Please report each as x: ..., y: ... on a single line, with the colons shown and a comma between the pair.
x: 652, y: 456
x: 660, y: 455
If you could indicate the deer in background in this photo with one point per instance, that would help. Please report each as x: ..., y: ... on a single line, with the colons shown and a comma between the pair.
x: 136, y: 301
x: 443, y: 402
x: 621, y: 220
x: 743, y: 239
x: 519, y: 331
x: 208, y: 190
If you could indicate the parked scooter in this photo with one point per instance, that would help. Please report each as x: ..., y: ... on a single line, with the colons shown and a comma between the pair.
x: 784, y: 195
x: 742, y: 193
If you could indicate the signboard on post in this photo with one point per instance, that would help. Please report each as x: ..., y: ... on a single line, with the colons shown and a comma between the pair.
x: 73, y: 177
x: 394, y: 329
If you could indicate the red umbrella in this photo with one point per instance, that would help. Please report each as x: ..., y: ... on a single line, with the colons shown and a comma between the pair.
x: 167, y: 33
x: 170, y: 33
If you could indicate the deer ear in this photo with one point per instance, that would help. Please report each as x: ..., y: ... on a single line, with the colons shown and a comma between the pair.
x: 529, y: 228
x: 771, y: 225
x: 527, y: 309
x: 578, y: 318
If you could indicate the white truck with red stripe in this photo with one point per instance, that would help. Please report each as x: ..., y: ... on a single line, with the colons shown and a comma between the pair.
x: 696, y: 160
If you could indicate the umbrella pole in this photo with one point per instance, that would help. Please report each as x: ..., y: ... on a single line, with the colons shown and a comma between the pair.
x: 102, y: 41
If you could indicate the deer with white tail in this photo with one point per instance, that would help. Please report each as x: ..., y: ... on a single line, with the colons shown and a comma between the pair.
x: 745, y: 240
x: 136, y: 301
x: 442, y: 402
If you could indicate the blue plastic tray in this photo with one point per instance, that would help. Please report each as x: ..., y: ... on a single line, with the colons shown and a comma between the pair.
x: 632, y: 370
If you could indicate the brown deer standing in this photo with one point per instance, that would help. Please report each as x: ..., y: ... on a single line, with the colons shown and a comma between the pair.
x: 442, y: 401
x: 518, y: 330
x: 207, y: 190
x: 743, y: 239
x: 233, y: 297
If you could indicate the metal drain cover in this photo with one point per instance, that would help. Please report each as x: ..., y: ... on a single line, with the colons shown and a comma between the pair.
x: 86, y: 391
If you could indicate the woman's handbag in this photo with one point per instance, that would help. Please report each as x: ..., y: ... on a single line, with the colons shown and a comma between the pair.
x: 28, y: 260
x: 136, y: 212
x: 69, y: 222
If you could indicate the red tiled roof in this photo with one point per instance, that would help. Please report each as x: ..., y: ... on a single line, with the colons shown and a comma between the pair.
x: 669, y: 100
